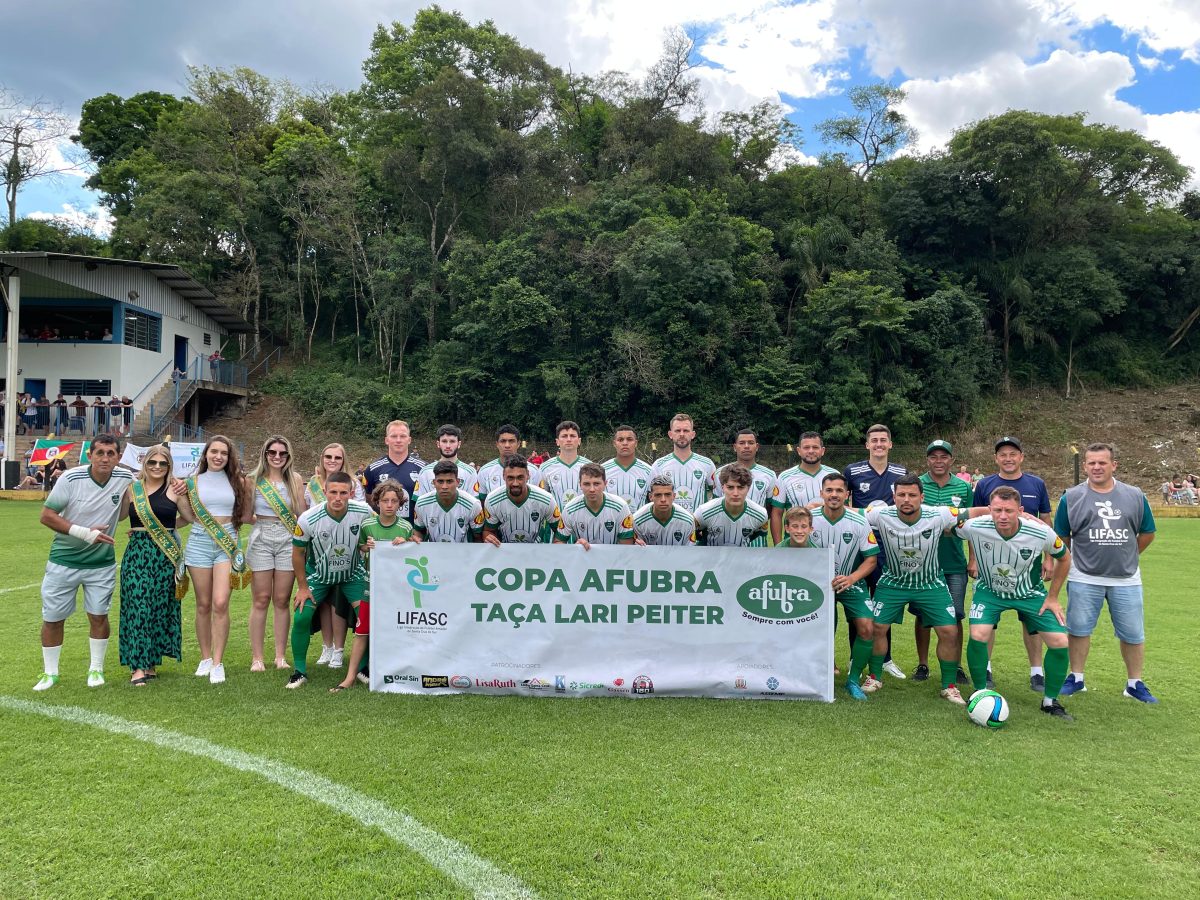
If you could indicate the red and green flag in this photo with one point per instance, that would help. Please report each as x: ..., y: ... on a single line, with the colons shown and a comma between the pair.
x: 83, y: 453
x: 46, y: 451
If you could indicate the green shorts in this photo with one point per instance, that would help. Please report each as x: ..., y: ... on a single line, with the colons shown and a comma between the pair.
x: 934, y: 605
x: 986, y: 608
x: 341, y: 594
x: 855, y: 600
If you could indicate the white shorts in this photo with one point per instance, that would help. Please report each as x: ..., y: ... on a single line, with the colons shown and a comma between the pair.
x: 61, y: 585
x: 270, y: 547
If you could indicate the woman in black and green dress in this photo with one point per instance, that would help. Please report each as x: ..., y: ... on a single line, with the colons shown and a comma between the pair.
x: 150, y: 627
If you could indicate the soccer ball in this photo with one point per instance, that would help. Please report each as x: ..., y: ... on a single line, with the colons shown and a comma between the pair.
x: 987, y: 708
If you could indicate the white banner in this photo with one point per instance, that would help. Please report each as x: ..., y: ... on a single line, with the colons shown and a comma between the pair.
x: 185, y: 457
x: 613, y: 621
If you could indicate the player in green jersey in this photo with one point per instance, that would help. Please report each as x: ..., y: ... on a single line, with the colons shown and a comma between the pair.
x: 595, y: 517
x: 628, y: 476
x: 518, y: 512
x: 801, y: 484
x: 662, y: 522
x: 798, y: 528
x: 560, y: 474
x: 764, y: 486
x: 732, y: 520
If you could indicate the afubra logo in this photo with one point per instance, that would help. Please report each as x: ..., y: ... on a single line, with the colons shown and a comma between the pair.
x: 780, y: 596
x: 418, y: 578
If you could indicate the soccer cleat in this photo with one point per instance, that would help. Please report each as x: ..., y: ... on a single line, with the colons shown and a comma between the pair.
x: 871, y: 684
x: 894, y: 670
x: 326, y: 655
x: 95, y: 678
x: 990, y: 684
x: 855, y: 692
x: 46, y: 682
x: 1037, y: 683
x: 298, y: 679
x: 951, y: 693
x: 335, y: 659
x: 217, y: 674
x: 1071, y: 686
x: 922, y: 673
x: 1139, y: 691
x: 1056, y: 710
x: 961, y: 677
x: 204, y: 668
x: 364, y: 677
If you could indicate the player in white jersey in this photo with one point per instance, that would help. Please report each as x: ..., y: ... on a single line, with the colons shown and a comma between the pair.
x: 560, y: 474
x: 449, y: 442
x: 694, y: 476
x: 491, y: 474
x: 801, y: 484
x: 764, y: 485
x: 448, y: 515
x: 519, y: 513
x: 731, y: 520
x: 595, y: 517
x: 628, y: 477
x: 662, y: 522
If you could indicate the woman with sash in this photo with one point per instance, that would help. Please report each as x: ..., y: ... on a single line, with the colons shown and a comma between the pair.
x: 278, y: 501
x: 217, y: 502
x: 333, y: 627
x: 151, y: 569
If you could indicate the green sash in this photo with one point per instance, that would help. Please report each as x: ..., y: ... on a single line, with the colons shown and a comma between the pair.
x: 164, y: 539
x: 275, y: 501
x: 220, y: 536
x: 314, y: 488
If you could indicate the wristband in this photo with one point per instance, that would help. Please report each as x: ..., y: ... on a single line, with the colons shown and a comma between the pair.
x: 87, y: 535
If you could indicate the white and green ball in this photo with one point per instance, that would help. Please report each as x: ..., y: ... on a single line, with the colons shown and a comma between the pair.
x: 987, y: 708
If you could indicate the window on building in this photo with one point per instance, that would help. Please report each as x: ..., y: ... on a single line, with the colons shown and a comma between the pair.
x: 207, y: 340
x: 65, y: 322
x: 142, y: 330
x: 87, y: 387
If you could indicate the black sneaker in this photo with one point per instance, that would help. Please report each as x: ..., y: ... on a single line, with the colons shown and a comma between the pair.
x: 1056, y: 709
x: 298, y: 679
x: 1037, y: 683
x: 961, y: 677
x: 922, y: 673
x: 990, y: 685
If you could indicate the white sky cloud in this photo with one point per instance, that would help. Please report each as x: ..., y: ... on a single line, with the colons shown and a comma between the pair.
x: 1161, y: 25
x: 95, y: 219
x: 1180, y: 131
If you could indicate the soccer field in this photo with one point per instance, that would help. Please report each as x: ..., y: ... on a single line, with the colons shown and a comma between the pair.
x: 248, y: 790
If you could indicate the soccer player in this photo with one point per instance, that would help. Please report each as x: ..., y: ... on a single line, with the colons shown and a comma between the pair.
x: 693, y: 475
x: 491, y: 474
x: 1108, y: 525
x: 595, y: 516
x: 519, y: 512
x: 398, y: 464
x: 327, y: 563
x: 871, y: 481
x: 732, y: 520
x: 801, y: 484
x: 628, y: 477
x: 941, y: 488
x: 764, y: 485
x: 1035, y: 499
x: 910, y: 533
x: 82, y: 511
x: 663, y: 522
x: 855, y: 556
x: 798, y: 525
x: 560, y: 474
x: 1008, y: 550
x: 449, y: 443
x: 448, y: 515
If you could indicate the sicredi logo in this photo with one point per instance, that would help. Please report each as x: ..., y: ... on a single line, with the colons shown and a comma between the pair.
x: 780, y: 596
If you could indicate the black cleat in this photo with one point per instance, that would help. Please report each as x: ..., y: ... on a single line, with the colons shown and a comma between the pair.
x: 990, y: 684
x: 1057, y: 710
x: 921, y: 674
x: 962, y: 677
x: 1037, y: 683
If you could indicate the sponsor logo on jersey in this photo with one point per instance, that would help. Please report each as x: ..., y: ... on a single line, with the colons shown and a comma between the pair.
x: 1058, y: 544
x: 871, y: 538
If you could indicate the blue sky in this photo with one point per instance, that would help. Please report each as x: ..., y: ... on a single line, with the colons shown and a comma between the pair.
x: 1131, y: 64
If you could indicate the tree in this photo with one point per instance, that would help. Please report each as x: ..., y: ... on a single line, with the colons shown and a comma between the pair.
x: 31, y: 133
x: 876, y: 131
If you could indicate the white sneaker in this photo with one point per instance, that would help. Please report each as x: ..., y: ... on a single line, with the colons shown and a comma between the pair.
x: 335, y: 659
x: 951, y: 693
x: 95, y: 678
x: 326, y: 655
x: 46, y: 682
x: 204, y: 668
x: 216, y: 674
x: 894, y: 670
x: 870, y: 684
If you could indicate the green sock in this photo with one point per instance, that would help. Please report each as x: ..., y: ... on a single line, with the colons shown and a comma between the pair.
x: 1056, y: 665
x: 366, y: 658
x: 949, y: 669
x: 860, y: 655
x: 877, y: 666
x: 977, y: 662
x: 302, y: 635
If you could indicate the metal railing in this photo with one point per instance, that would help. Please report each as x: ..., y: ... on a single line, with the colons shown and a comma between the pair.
x: 265, y: 363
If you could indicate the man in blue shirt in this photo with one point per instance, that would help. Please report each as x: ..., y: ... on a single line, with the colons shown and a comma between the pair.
x: 396, y: 465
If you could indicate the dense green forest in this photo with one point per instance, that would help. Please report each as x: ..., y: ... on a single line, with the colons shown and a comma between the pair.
x: 474, y: 235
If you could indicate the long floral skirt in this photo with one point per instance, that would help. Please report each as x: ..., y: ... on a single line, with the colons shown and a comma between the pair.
x: 150, y: 618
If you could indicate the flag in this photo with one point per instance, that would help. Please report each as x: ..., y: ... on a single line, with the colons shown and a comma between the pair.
x: 83, y: 453
x: 46, y: 451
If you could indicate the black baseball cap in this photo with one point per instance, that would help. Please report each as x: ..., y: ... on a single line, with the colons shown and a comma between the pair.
x: 1010, y: 441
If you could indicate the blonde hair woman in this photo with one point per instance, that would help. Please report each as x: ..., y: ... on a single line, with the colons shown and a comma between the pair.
x: 278, y: 501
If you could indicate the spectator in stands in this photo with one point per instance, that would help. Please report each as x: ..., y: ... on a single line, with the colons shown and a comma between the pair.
x: 54, y: 471
x: 114, y: 414
x: 107, y: 336
x: 963, y: 474
x: 45, y: 334
x: 214, y: 364
x: 32, y: 482
x: 43, y: 413
x: 28, y: 411
x: 79, y: 410
x: 98, y: 412
x: 127, y: 412
x: 60, y: 414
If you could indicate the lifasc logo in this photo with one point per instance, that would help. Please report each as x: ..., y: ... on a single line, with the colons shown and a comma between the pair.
x: 780, y: 596
x: 418, y: 578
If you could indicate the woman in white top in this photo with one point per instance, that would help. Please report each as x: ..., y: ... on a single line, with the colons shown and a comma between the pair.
x: 222, y: 493
x: 269, y: 552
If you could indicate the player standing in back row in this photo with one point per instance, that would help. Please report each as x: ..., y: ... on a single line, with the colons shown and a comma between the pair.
x: 449, y: 444
x: 693, y: 475
x: 764, y: 485
x: 628, y: 477
x: 491, y: 474
x: 560, y: 474
x: 801, y: 484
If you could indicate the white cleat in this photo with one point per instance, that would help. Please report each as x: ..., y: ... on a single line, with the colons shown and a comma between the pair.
x: 204, y: 668
x: 894, y: 670
x: 95, y: 678
x: 870, y: 684
x: 951, y: 693
x: 46, y: 682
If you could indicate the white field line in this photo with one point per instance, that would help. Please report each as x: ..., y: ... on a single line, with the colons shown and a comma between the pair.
x: 23, y: 587
x: 443, y: 853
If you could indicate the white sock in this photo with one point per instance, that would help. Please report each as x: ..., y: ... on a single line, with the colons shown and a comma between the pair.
x: 99, y: 648
x: 989, y: 668
x: 50, y: 657
x: 1078, y: 676
x: 1046, y: 701
x: 1132, y: 682
x: 1036, y: 670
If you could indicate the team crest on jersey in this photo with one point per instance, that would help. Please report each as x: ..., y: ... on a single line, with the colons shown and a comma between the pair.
x: 847, y: 537
x: 116, y: 498
x: 758, y: 485
x: 864, y: 486
x: 956, y: 501
x: 641, y: 482
x: 534, y: 515
x: 746, y: 532
x: 433, y: 522
x: 987, y: 545
x: 354, y: 529
x: 384, y: 477
x: 608, y: 526
x: 927, y: 533
x: 461, y: 521
x: 678, y: 535
x: 697, y: 474
x: 1026, y: 553
x: 716, y: 532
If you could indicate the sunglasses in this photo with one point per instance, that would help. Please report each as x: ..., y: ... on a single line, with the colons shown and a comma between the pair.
x: 156, y: 463
x: 334, y: 458
x: 282, y: 453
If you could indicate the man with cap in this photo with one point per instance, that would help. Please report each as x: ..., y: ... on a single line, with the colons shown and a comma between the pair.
x: 1035, y: 499
x: 941, y: 488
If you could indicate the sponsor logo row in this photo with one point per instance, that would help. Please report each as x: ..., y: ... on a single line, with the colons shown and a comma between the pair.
x: 642, y: 685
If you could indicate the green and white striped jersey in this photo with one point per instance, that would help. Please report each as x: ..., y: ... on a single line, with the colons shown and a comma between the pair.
x: 612, y: 523
x: 911, y: 551
x: 468, y: 479
x: 764, y: 484
x: 747, y: 529
x: 678, y: 531
x: 491, y: 476
x: 693, y: 478
x: 82, y: 501
x: 532, y: 521
x: 463, y: 521
x: 850, y: 537
x: 1008, y: 566
x: 633, y: 484
x: 561, y: 479
x: 332, y: 544
x: 799, y: 488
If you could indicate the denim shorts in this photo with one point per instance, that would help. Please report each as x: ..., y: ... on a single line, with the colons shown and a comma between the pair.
x: 1124, y: 606
x: 201, y: 551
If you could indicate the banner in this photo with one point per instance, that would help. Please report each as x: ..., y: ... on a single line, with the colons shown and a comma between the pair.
x: 46, y: 451
x: 613, y: 621
x: 185, y: 458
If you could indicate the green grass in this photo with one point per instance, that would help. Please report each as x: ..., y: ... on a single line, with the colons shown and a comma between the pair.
x: 900, y: 796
